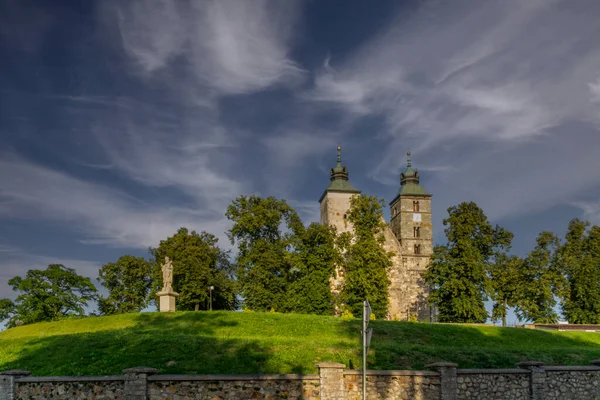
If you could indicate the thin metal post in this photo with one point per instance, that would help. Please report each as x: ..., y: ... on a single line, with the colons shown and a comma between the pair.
x: 364, y: 385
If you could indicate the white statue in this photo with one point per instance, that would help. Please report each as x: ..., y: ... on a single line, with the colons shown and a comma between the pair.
x: 167, y: 271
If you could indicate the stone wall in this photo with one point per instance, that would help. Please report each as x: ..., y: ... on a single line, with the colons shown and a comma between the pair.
x: 79, y: 388
x: 444, y: 381
x: 401, y: 385
x: 492, y: 384
x: 573, y: 383
x: 168, y: 387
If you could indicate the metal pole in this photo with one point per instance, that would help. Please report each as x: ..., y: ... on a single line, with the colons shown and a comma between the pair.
x: 364, y: 385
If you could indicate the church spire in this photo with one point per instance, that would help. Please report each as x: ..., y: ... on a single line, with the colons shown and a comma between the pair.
x: 339, y: 172
x: 409, y: 181
x: 338, y: 176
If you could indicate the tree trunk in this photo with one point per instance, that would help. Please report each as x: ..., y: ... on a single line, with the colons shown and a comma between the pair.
x: 504, y: 314
x: 197, y: 307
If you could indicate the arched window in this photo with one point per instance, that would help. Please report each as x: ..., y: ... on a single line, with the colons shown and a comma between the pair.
x: 417, y: 249
x: 417, y: 232
x: 416, y: 205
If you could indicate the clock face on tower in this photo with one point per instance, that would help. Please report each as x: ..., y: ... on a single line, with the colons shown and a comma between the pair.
x: 416, y: 217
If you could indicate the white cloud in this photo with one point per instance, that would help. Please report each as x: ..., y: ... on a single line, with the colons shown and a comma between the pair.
x: 227, y: 45
x: 16, y: 261
x: 105, y: 215
x: 591, y: 211
x: 498, y: 71
x: 498, y: 92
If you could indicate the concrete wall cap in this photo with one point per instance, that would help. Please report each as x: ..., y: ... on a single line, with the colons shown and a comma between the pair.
x: 442, y: 364
x: 330, y: 365
x: 16, y: 372
x: 141, y: 370
x: 527, y: 364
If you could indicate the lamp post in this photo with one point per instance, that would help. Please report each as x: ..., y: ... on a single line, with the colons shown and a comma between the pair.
x: 210, y: 289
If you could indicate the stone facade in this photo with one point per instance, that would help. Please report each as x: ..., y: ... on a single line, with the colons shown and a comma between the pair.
x: 229, y: 388
x: 492, y: 384
x: 532, y: 381
x: 73, y: 388
x: 408, y: 236
x: 401, y: 385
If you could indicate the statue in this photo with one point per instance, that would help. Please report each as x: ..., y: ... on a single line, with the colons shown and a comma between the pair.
x: 167, y: 271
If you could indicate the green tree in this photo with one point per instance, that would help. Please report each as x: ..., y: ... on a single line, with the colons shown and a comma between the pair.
x: 366, y: 261
x: 264, y: 261
x: 458, y: 273
x: 314, y: 260
x: 539, y: 280
x: 128, y: 282
x: 506, y: 280
x: 47, y: 295
x: 579, y: 259
x: 198, y: 263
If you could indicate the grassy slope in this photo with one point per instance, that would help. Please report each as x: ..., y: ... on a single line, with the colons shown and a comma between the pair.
x: 228, y: 342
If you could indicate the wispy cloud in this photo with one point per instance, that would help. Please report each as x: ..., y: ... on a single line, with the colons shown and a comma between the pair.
x: 229, y: 46
x: 471, y: 69
x: 104, y: 215
x: 468, y: 84
x: 16, y: 261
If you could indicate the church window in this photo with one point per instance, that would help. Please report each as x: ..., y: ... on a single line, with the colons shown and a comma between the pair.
x: 416, y: 206
x: 417, y: 232
x: 417, y: 249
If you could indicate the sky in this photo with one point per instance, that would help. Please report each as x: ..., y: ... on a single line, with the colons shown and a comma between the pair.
x: 121, y: 121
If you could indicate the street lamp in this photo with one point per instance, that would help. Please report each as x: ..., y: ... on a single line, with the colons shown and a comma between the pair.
x: 210, y: 289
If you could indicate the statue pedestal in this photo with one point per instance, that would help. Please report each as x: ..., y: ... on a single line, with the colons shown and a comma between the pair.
x: 167, y: 301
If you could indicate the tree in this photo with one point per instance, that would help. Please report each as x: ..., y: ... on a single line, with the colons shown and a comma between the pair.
x: 198, y: 263
x: 128, y: 282
x: 505, y: 274
x: 264, y: 261
x: 579, y: 259
x: 458, y: 273
x: 366, y: 261
x: 539, y: 280
x: 314, y: 263
x: 47, y: 295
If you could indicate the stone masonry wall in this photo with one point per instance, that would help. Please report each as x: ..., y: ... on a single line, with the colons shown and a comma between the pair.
x: 72, y: 388
x: 192, y: 388
x: 401, y: 385
x: 532, y: 380
x: 492, y: 384
x: 411, y: 292
x: 574, y: 383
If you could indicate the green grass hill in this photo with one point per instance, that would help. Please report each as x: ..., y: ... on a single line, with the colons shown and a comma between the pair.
x: 248, y: 342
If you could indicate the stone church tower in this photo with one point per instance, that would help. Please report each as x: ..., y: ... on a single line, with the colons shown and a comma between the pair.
x: 410, y: 222
x: 408, y: 236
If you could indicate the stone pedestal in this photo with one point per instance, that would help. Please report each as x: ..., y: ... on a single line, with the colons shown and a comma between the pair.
x: 167, y: 301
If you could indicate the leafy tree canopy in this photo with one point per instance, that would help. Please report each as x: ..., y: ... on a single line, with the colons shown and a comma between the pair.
x: 539, y: 281
x: 458, y: 273
x: 366, y: 261
x: 198, y: 263
x: 314, y: 263
x: 579, y: 260
x: 264, y: 261
x: 128, y: 282
x: 506, y: 280
x: 47, y: 295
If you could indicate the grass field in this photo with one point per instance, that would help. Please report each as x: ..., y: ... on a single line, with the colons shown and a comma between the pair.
x: 239, y: 342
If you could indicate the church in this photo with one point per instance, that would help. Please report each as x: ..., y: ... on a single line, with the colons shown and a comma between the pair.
x: 408, y: 235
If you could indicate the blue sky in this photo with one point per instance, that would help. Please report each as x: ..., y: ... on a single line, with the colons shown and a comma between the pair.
x: 121, y: 121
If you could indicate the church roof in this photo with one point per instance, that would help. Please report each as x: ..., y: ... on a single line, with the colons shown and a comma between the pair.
x: 409, y: 182
x: 339, y: 178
